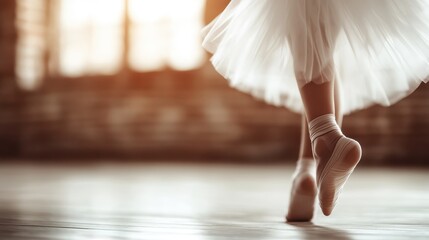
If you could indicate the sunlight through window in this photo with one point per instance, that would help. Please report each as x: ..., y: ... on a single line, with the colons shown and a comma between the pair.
x: 165, y: 33
x: 31, y: 44
x: 90, y: 36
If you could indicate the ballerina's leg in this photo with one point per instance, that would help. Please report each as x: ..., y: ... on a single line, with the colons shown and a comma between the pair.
x: 304, y: 189
x: 336, y: 155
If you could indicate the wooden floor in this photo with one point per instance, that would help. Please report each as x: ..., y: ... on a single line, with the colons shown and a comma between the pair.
x: 193, y: 202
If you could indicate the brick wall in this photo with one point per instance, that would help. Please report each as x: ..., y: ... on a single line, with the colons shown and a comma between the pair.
x: 9, y: 131
x: 197, y: 116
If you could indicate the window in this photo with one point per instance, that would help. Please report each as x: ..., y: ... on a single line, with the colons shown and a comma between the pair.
x: 165, y: 33
x: 101, y: 37
x: 31, y: 44
x: 90, y: 36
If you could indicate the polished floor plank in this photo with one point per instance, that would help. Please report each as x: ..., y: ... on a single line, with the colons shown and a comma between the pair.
x: 200, y: 201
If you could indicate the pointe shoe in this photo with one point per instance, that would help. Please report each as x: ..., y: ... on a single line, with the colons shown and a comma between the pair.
x: 333, y: 176
x: 336, y: 156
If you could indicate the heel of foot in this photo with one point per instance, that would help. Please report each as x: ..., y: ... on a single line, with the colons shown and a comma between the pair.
x: 353, y: 154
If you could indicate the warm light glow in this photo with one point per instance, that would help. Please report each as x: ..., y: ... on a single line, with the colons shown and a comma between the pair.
x: 163, y: 33
x: 31, y: 44
x: 89, y: 37
x: 91, y: 33
x: 166, y: 33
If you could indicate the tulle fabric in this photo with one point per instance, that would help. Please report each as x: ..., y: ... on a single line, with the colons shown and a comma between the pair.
x: 378, y: 50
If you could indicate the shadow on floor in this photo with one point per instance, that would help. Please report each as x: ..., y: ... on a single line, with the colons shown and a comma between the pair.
x: 311, y: 231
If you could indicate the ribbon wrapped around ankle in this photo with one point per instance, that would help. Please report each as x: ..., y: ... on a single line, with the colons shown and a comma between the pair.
x: 322, y: 125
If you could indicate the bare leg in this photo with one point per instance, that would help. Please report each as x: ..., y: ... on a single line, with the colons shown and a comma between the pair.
x: 305, y: 151
x: 338, y: 107
x: 304, y: 190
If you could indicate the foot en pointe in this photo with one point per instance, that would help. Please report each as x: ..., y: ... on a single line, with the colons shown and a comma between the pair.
x: 335, y: 158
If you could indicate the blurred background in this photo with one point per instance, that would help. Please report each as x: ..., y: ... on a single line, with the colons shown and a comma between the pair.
x: 125, y: 80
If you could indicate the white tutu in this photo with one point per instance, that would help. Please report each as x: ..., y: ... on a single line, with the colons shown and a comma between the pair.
x: 379, y: 48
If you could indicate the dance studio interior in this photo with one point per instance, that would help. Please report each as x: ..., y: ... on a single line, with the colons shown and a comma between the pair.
x: 115, y: 125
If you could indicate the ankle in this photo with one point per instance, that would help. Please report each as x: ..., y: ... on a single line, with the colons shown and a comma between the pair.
x: 305, y: 165
x: 324, y: 133
x: 305, y: 159
x: 323, y: 125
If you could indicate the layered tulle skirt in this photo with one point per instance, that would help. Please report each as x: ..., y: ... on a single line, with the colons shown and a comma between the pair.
x: 376, y: 50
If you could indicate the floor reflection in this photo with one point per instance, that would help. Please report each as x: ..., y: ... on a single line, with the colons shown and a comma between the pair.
x: 207, y: 202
